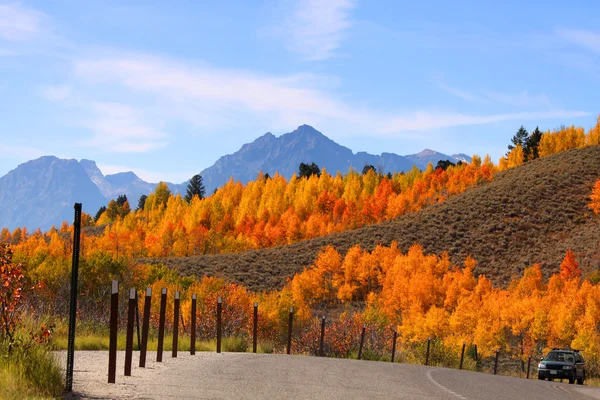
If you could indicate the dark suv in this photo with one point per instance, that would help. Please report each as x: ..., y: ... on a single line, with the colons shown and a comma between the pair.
x: 562, y: 364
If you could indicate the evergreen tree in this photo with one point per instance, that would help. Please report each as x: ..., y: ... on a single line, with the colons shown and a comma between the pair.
x: 367, y: 168
x: 444, y: 164
x: 195, y: 188
x: 142, y: 202
x: 520, y: 138
x: 99, y: 213
x: 307, y: 170
x: 531, y: 148
x: 121, y: 200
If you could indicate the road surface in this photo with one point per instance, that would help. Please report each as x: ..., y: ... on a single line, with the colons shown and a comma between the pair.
x: 277, y: 376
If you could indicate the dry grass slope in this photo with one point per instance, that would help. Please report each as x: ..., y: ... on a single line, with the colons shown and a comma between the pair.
x: 529, y: 214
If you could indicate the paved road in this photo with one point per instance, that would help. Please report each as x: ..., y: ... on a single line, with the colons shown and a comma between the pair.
x: 265, y: 376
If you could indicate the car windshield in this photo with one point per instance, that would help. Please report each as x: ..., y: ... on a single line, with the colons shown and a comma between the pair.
x: 560, y: 356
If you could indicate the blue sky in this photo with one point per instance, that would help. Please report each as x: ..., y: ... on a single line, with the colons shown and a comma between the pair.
x: 165, y: 88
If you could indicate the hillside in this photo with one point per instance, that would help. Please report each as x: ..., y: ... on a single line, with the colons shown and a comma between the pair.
x: 532, y: 213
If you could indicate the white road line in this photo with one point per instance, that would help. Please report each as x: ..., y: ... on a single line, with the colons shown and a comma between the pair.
x: 444, y: 388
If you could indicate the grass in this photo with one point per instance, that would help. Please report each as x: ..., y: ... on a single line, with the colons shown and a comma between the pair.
x: 530, y: 214
x: 31, y: 373
x: 91, y: 341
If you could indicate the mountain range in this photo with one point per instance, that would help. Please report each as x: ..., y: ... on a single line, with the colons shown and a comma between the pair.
x: 41, y: 193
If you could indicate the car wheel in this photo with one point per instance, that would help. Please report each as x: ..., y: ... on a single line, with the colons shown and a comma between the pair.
x: 580, y: 380
x: 572, y: 378
x: 541, y: 378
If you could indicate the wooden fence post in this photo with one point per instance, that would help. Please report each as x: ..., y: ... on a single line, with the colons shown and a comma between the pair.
x: 496, y: 362
x: 114, y: 322
x: 362, y: 341
x: 193, y: 327
x: 290, y: 326
x: 394, y: 345
x: 428, y: 348
x: 219, y: 310
x: 145, y: 327
x: 161, y: 324
x: 175, y: 326
x: 322, y: 338
x: 129, y: 337
x: 255, y: 329
x: 462, y: 355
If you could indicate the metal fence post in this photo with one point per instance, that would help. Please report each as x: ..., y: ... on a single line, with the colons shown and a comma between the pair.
x: 362, y: 341
x: 394, y: 345
x: 114, y: 321
x: 161, y: 324
x: 428, y: 348
x: 255, y: 329
x: 145, y: 327
x: 175, y: 326
x: 73, y: 302
x: 193, y: 327
x: 219, y: 310
x: 462, y: 355
x: 290, y: 326
x: 322, y: 338
x: 129, y: 337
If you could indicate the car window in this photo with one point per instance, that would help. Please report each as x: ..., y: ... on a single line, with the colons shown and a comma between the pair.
x: 569, y: 358
x: 558, y: 356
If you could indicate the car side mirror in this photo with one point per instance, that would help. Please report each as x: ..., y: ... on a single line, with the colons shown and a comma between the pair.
x: 541, y: 358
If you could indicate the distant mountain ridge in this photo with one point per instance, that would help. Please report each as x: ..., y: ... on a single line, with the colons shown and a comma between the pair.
x: 284, y: 154
x: 41, y: 193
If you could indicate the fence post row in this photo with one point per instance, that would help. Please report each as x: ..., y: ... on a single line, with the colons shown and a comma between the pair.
x: 462, y: 355
x: 161, y: 325
x: 175, y: 326
x: 428, y: 347
x: 114, y: 321
x: 322, y: 339
x: 193, y: 327
x: 496, y: 362
x: 290, y: 325
x: 129, y: 338
x: 394, y: 345
x: 255, y: 329
x: 362, y: 341
x: 145, y: 327
x: 73, y: 300
x: 219, y: 309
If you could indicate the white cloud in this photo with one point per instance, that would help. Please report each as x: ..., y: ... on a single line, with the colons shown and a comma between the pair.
x: 121, y: 128
x: 518, y: 100
x: 18, y: 23
x: 426, y: 120
x: 587, y: 40
x: 56, y: 93
x: 318, y: 27
x: 162, y: 90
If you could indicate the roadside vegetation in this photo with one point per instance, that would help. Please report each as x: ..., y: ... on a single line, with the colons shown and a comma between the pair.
x: 27, y: 368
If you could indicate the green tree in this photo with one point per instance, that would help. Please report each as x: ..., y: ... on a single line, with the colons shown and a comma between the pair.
x: 531, y: 148
x: 520, y: 138
x: 444, y: 164
x: 141, y: 202
x: 367, y: 168
x: 99, y: 213
x: 307, y: 170
x: 195, y: 188
x: 121, y: 199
